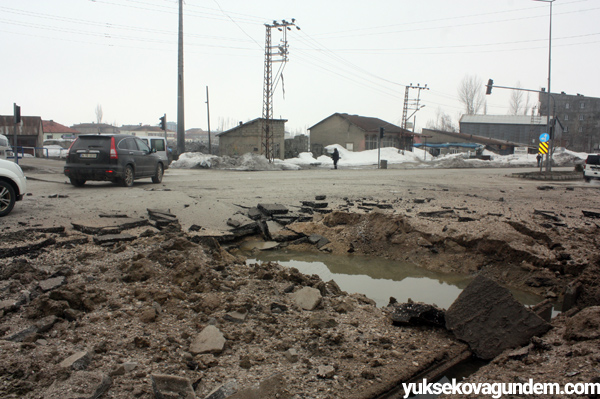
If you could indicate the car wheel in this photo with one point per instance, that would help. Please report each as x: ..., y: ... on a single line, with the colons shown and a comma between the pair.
x: 587, y: 179
x: 127, y: 180
x: 7, y: 198
x: 157, y: 178
x: 77, y: 182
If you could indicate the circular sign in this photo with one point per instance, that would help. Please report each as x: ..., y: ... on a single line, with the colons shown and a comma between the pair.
x: 544, y: 137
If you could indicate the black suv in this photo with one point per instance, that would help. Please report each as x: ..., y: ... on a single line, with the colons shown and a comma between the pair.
x: 113, y: 157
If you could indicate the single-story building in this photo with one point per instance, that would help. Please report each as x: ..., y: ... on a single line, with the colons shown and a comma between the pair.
x: 56, y: 131
x: 248, y: 137
x: 440, y: 142
x: 30, y: 133
x: 521, y: 129
x: 357, y: 133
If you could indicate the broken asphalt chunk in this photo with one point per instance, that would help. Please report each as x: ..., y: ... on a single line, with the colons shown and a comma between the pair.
x: 417, y: 314
x: 113, y: 238
x: 272, y: 209
x: 491, y: 320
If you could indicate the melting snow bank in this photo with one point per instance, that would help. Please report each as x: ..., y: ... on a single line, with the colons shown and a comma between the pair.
x: 247, y: 161
x: 369, y: 158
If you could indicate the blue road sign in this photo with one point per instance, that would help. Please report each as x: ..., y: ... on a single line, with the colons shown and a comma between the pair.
x: 544, y: 137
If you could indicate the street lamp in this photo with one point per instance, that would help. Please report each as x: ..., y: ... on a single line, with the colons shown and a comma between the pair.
x: 548, y: 166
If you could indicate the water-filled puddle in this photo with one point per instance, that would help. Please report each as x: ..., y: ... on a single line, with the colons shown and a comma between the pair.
x: 380, y: 279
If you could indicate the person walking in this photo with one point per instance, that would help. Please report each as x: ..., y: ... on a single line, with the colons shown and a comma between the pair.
x: 539, y: 159
x: 336, y: 157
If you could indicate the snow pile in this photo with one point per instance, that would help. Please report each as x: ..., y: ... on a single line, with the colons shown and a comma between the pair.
x: 349, y: 159
x: 196, y: 160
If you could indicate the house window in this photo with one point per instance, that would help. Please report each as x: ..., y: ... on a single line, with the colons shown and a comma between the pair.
x: 566, y: 117
x: 566, y: 129
x: 567, y: 106
x: 370, y: 142
x: 582, y: 105
x: 580, y: 129
x: 580, y: 117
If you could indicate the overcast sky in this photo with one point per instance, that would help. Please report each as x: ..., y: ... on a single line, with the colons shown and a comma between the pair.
x: 61, y: 58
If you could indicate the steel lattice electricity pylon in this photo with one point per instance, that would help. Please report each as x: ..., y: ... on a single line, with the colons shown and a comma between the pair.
x: 273, y: 54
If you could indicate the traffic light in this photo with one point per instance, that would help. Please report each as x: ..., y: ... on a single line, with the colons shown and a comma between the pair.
x: 17, y: 114
x: 163, y: 122
x: 489, y: 86
x: 381, y: 132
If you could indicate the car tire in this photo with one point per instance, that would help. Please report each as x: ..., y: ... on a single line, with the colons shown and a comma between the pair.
x: 587, y: 179
x: 128, y: 176
x: 77, y: 182
x: 7, y: 198
x: 157, y: 178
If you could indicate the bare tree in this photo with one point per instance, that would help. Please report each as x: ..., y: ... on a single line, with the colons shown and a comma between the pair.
x: 516, y: 101
x: 443, y: 122
x: 99, y: 114
x: 471, y: 94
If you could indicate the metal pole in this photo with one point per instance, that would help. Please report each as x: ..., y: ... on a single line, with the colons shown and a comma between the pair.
x: 15, y: 148
x: 551, y: 141
x: 208, y: 118
x: 180, y: 102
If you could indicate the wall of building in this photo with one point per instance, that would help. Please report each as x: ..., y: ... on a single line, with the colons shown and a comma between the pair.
x: 580, y: 117
x: 524, y: 134
x: 296, y: 145
x: 336, y: 130
x: 247, y: 138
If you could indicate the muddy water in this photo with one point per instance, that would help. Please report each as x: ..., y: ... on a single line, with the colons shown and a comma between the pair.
x: 380, y: 279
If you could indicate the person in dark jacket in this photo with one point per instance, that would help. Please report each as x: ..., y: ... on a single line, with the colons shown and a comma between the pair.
x: 336, y: 157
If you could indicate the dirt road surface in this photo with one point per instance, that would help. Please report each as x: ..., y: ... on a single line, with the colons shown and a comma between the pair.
x: 209, y: 197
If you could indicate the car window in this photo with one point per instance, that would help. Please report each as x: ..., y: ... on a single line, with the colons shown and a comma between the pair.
x: 593, y: 160
x: 159, y: 144
x: 127, y: 144
x: 95, y: 142
x: 141, y: 145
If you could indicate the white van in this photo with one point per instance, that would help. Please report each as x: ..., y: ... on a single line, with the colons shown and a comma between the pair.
x: 5, y: 147
x: 160, y: 145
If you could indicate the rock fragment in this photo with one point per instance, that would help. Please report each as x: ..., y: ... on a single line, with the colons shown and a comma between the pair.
x: 171, y: 387
x: 210, y: 340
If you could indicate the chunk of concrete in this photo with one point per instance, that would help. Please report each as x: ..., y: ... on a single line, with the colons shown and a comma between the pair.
x: 171, y: 386
x: 584, y: 326
x: 307, y: 298
x: 210, y: 340
x: 272, y: 387
x: 490, y: 319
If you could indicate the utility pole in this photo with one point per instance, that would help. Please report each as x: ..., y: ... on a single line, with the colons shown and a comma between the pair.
x: 411, y: 105
x: 272, y: 54
x: 551, y: 141
x: 208, y: 118
x: 17, y: 120
x: 180, y: 102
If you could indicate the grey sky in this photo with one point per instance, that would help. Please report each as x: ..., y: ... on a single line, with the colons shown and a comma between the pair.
x: 64, y: 57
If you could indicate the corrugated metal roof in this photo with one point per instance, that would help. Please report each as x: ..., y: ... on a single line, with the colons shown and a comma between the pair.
x: 504, y: 119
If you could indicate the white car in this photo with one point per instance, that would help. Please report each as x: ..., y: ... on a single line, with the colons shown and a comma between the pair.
x: 13, y: 185
x: 591, y: 168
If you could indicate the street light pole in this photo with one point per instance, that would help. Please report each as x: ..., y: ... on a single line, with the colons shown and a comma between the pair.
x: 551, y: 141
